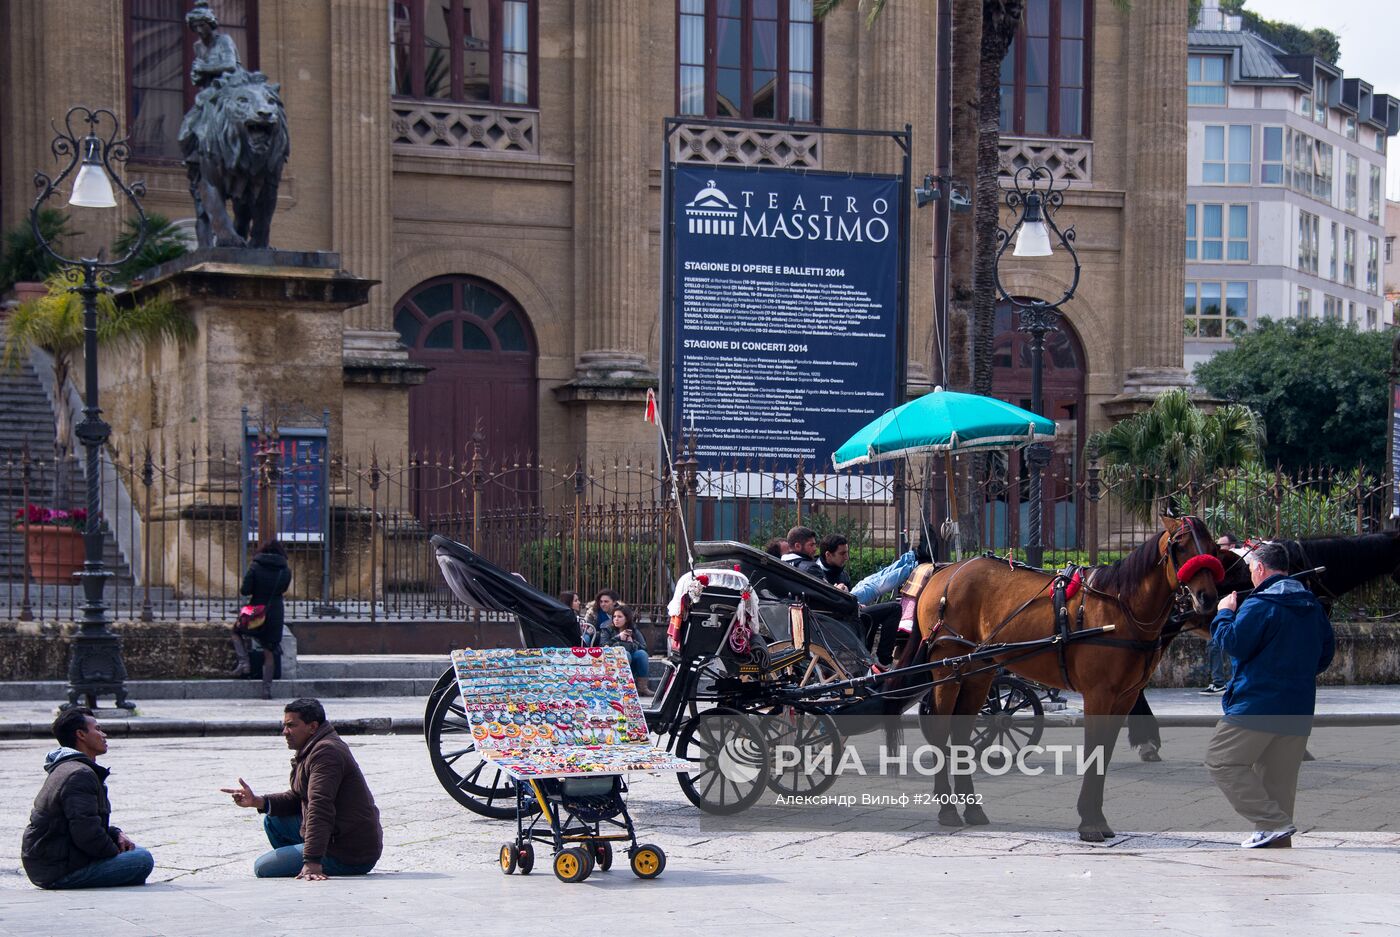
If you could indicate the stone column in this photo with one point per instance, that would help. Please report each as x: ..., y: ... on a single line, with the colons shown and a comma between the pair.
x: 897, y: 87
x: 377, y: 374
x: 1153, y: 250
x: 612, y: 177
x: 361, y: 171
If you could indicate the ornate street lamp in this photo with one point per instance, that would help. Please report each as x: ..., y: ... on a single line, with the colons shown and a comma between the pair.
x: 1034, y: 200
x: 95, y: 663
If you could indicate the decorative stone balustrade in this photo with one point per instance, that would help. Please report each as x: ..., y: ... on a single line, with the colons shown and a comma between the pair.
x: 450, y: 129
x: 724, y: 146
x: 1068, y: 160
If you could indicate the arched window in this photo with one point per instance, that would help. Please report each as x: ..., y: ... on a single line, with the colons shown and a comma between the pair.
x: 1045, y: 75
x: 462, y: 314
x: 748, y: 59
x: 480, y: 51
x: 159, y: 52
x: 480, y: 347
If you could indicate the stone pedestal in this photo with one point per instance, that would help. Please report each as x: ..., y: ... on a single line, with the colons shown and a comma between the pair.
x: 269, y: 339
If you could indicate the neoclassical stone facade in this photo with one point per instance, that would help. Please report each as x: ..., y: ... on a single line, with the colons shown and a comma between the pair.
x: 544, y: 196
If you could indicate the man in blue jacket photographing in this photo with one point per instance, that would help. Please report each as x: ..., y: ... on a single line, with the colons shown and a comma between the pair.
x: 1280, y: 640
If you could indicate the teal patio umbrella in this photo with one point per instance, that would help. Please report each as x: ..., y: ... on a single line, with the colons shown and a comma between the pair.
x: 943, y: 421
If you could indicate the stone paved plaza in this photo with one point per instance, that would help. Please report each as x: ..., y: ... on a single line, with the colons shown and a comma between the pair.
x: 438, y: 875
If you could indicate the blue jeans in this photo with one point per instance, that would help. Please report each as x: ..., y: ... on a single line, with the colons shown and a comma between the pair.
x: 125, y: 868
x: 1218, y: 664
x: 641, y: 664
x: 286, y: 859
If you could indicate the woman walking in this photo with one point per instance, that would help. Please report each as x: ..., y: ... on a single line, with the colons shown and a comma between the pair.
x: 267, y: 578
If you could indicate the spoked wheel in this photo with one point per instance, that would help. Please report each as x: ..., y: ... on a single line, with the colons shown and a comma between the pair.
x: 472, y: 782
x: 804, y: 749
x: 730, y: 757
x: 1011, y: 717
x: 447, y: 681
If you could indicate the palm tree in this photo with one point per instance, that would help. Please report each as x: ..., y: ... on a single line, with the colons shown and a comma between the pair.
x: 165, y: 241
x: 1173, y: 447
x: 1000, y: 20
x: 54, y: 324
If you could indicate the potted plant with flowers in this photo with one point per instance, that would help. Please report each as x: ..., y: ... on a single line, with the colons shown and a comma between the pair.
x: 54, y: 541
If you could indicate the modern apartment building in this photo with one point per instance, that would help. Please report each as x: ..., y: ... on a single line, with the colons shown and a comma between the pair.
x: 1285, y: 213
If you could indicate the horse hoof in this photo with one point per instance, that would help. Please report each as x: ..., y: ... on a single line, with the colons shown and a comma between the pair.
x: 1091, y: 836
x: 975, y: 816
x: 948, y: 816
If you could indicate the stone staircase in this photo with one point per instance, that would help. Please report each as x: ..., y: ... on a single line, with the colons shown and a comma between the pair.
x: 26, y: 416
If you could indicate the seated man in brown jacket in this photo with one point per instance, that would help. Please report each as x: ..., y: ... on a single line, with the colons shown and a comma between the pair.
x: 327, y: 824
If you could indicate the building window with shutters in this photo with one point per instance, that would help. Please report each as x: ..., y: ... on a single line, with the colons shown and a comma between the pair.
x: 159, y: 50
x: 466, y: 51
x: 748, y: 60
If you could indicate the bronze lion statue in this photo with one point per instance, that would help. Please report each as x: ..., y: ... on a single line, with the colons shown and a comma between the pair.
x: 235, y: 144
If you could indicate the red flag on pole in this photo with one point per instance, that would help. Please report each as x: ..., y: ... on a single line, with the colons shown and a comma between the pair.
x: 652, y: 416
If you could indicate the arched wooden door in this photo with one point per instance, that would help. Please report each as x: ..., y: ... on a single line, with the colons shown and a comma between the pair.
x: 1062, y: 379
x: 482, y: 351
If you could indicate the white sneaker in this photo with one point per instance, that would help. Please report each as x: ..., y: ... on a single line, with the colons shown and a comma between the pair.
x: 1265, y: 837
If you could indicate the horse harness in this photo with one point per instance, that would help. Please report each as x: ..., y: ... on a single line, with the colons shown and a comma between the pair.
x: 1079, y: 579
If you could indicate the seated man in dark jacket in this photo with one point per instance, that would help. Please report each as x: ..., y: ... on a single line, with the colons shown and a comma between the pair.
x: 802, y: 555
x: 1280, y: 640
x: 327, y: 824
x: 70, y: 841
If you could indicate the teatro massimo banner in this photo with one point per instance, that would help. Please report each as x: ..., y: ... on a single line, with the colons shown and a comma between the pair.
x: 785, y: 312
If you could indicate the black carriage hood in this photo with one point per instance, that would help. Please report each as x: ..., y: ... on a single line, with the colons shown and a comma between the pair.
x: 771, y: 575
x: 544, y: 620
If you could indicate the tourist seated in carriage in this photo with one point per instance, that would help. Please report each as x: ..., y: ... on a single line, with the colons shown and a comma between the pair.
x: 776, y: 547
x: 626, y: 634
x: 835, y: 552
x: 802, y: 555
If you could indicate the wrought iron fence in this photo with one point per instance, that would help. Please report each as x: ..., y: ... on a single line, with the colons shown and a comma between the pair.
x: 181, y: 523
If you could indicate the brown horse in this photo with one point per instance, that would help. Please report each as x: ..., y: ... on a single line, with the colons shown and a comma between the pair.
x: 984, y: 601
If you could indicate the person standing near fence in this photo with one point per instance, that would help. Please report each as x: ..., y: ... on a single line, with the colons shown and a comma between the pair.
x: 267, y: 579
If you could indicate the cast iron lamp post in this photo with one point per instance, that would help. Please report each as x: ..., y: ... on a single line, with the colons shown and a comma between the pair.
x: 95, y: 663
x: 1033, y: 199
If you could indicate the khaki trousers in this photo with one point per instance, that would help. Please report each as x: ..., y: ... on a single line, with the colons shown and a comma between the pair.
x: 1257, y: 772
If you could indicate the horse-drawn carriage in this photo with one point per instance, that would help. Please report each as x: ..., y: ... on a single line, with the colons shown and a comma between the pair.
x: 759, y: 655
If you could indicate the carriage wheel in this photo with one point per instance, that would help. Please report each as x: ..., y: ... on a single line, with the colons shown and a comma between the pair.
x: 447, y: 681
x: 472, y: 782
x: 730, y: 757
x: 817, y: 742
x: 1011, y: 718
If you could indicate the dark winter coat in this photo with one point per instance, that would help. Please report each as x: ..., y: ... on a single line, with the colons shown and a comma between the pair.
x: 835, y: 575
x: 1280, y: 640
x: 70, y: 825
x: 338, y: 814
x: 268, y: 576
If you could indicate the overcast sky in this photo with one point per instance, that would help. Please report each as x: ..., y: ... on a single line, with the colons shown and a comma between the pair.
x: 1369, y: 48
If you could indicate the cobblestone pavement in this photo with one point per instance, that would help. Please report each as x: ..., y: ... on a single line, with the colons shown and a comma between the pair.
x: 438, y: 875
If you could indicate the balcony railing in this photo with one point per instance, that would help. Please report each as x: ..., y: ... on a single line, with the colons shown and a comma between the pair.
x: 724, y: 146
x: 444, y: 128
x: 1068, y: 160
